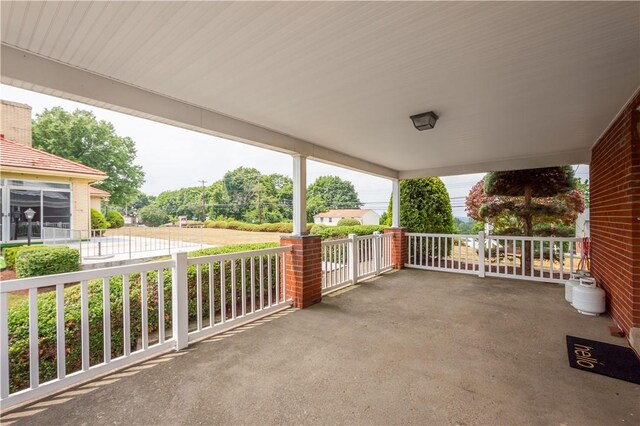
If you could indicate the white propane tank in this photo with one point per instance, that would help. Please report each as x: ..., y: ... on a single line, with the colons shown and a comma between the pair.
x: 573, y: 281
x: 587, y: 298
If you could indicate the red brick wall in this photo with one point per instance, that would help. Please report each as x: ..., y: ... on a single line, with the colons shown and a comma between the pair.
x: 304, y: 269
x: 399, y: 247
x: 615, y: 216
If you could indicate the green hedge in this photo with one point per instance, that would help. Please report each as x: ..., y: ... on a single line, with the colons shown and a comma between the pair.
x: 19, y: 314
x: 349, y: 222
x: 282, y: 227
x: 10, y: 253
x: 338, y: 232
x: 46, y: 261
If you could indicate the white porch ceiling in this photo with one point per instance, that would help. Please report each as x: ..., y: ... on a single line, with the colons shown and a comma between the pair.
x: 515, y: 84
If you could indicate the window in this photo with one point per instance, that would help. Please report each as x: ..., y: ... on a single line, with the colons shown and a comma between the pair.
x: 20, y: 200
x: 56, y: 209
x: 52, y: 207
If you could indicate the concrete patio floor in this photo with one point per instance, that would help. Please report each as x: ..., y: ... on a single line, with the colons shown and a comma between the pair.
x: 412, y: 346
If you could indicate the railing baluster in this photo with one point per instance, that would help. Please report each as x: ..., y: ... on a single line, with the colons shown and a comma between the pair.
x: 284, y: 277
x: 253, y: 284
x: 261, y: 264
x: 199, y: 296
x: 60, y: 337
x: 243, y: 280
x: 34, y: 357
x: 144, y: 300
x: 561, y: 259
x: 522, y: 257
x: 212, y: 302
x: 106, y: 320
x: 84, y: 323
x: 161, y: 306
x: 572, y: 251
x: 126, y: 325
x: 552, y: 257
x: 234, y: 297
x: 269, y: 280
x: 277, y: 265
x: 223, y: 292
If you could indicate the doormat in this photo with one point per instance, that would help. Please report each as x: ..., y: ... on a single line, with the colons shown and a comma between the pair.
x: 614, y: 361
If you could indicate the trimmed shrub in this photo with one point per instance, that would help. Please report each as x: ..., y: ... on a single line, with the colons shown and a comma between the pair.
x: 115, y: 219
x: 339, y: 232
x: 10, y: 253
x: 97, y: 220
x: 19, y: 313
x: 347, y: 221
x: 46, y: 261
x: 424, y: 206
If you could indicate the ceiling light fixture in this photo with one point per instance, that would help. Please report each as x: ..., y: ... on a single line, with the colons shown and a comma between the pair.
x: 424, y: 121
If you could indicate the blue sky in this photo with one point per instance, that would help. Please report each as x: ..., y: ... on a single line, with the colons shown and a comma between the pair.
x: 174, y: 158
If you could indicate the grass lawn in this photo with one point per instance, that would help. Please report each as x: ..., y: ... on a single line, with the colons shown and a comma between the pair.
x: 216, y: 237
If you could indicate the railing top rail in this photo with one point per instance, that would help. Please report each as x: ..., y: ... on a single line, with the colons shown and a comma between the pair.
x: 237, y: 255
x: 365, y: 237
x: 507, y: 237
x: 335, y: 242
x: 518, y: 238
x: 420, y: 234
x: 72, y: 277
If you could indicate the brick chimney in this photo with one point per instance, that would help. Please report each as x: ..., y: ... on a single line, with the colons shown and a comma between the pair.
x: 15, y: 122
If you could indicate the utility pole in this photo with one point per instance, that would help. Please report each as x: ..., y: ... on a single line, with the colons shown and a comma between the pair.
x: 204, y: 208
x: 259, y: 205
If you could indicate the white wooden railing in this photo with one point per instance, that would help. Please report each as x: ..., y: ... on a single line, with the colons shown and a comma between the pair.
x: 173, y: 311
x: 361, y: 257
x: 243, y: 287
x: 548, y: 259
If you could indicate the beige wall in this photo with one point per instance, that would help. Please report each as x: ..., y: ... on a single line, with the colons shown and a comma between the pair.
x: 15, y: 121
x: 80, y: 200
x: 96, y: 203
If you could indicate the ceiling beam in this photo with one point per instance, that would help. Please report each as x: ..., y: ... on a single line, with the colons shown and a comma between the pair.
x: 582, y: 156
x: 29, y: 71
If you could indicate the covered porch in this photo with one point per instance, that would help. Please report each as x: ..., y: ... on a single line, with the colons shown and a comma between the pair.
x: 406, y: 347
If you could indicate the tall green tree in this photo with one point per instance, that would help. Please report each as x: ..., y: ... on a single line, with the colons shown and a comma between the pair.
x: 80, y: 137
x: 330, y: 192
x: 242, y: 186
x: 424, y: 206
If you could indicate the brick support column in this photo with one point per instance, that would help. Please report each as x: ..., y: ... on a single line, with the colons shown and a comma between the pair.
x: 304, y: 269
x: 399, y: 247
x: 615, y: 218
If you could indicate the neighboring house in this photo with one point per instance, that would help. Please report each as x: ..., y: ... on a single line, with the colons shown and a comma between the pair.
x: 331, y: 218
x: 57, y: 189
x: 98, y: 197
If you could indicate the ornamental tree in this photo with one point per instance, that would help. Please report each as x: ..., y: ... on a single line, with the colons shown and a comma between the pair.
x: 526, y: 195
x: 530, y: 193
x: 572, y: 203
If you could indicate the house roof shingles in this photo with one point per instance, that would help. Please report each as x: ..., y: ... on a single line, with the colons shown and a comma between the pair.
x: 13, y: 154
x: 344, y: 213
x: 97, y: 192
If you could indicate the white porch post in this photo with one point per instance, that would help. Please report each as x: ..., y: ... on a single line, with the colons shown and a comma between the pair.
x: 395, y: 201
x: 299, y: 195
